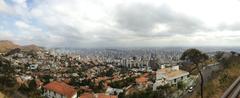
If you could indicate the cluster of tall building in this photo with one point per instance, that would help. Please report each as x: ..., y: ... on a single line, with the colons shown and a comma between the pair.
x: 128, y: 57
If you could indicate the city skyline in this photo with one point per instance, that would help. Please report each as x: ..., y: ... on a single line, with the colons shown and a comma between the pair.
x: 107, y: 23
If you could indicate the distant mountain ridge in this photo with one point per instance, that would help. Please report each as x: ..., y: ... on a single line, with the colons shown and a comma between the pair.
x: 6, y: 45
x: 31, y: 47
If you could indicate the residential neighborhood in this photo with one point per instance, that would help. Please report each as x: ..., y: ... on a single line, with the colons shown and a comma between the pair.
x: 52, y: 74
x: 119, y: 49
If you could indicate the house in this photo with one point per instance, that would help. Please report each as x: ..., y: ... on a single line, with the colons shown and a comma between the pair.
x: 39, y: 83
x: 113, y: 91
x: 171, y: 75
x: 102, y: 95
x: 98, y: 95
x: 58, y: 89
x: 141, y: 80
x: 33, y: 66
x: 26, y: 77
x: 87, y: 95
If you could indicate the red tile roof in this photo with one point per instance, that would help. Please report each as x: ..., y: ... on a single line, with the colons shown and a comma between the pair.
x: 39, y: 82
x: 87, y: 95
x: 102, y: 95
x: 61, y: 88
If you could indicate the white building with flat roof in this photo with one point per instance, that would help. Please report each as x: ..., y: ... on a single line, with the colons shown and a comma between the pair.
x: 171, y: 75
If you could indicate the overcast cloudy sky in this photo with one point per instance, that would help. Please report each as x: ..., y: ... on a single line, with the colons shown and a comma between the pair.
x: 121, y: 23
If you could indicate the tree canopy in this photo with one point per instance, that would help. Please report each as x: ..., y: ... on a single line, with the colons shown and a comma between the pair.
x: 194, y: 55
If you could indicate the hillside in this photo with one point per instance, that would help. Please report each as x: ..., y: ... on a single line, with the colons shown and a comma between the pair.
x: 31, y: 47
x: 6, y: 45
x: 224, y: 78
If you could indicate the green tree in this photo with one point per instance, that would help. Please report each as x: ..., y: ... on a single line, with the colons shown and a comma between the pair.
x: 165, y: 89
x: 196, y: 57
x: 7, y: 71
x: 110, y: 72
x: 32, y: 85
x: 79, y: 92
x: 181, y: 85
x: 218, y: 55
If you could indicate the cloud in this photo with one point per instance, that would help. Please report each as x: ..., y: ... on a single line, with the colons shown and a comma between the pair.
x: 103, y: 23
x: 232, y: 27
x: 4, y: 7
x: 5, y: 35
x: 84, y: 24
x: 144, y: 19
x: 22, y: 25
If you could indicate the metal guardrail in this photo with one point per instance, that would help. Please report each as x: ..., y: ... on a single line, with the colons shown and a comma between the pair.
x: 233, y: 89
x: 236, y: 92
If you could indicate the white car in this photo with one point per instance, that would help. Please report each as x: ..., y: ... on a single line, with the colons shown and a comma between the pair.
x: 190, y: 90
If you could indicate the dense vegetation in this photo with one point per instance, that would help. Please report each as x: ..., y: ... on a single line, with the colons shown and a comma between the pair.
x: 148, y: 93
x: 123, y: 83
x: 222, y: 79
x: 165, y: 91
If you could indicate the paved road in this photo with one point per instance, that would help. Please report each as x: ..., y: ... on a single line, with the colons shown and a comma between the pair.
x: 207, y: 72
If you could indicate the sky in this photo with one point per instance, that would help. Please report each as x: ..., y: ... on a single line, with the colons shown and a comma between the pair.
x: 121, y: 23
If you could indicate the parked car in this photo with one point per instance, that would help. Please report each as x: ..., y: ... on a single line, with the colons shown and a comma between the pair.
x: 190, y: 89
